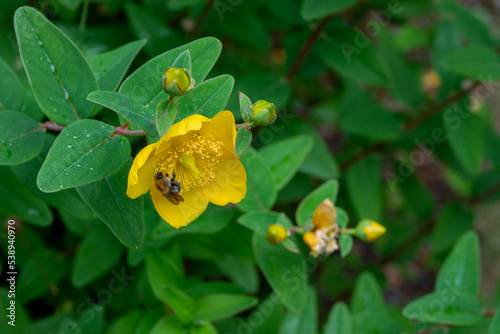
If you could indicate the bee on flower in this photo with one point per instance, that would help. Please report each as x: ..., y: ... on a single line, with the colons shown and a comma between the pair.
x: 193, y: 164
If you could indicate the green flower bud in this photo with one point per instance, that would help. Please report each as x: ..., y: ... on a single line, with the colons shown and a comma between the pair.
x: 276, y: 234
x: 264, y: 113
x: 369, y: 230
x: 176, y: 81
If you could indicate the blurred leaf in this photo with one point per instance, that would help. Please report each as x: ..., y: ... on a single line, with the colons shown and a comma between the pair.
x: 453, y: 222
x: 207, y: 98
x: 345, y: 244
x: 417, y: 197
x: 271, y: 312
x: 110, y: 67
x: 220, y: 306
x: 133, y: 111
x: 162, y: 270
x: 285, y: 157
x: 144, y: 85
x: 204, y: 328
x: 362, y: 116
x: 41, y: 274
x: 283, y: 270
x: 317, y: 9
x: 10, y: 88
x: 372, y: 322
x: 91, y: 261
x: 339, y: 321
x: 342, y: 217
x: 367, y: 295
x: 84, y: 152
x: 466, y: 137
x: 123, y: 216
x: 475, y: 62
x: 17, y: 201
x: 462, y: 269
x: 305, y: 210
x: 169, y: 324
x: 243, y: 140
x: 182, y: 304
x: 304, y: 321
x: 261, y: 192
x: 445, y: 308
x: 495, y: 323
x: 181, y: 4
x: 409, y: 38
x: 21, y: 138
x: 60, y: 81
x: 365, y: 188
x: 242, y: 272
x: 136, y: 322
x: 259, y: 221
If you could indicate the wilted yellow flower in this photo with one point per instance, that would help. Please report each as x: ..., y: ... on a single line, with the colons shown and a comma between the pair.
x: 325, y: 214
x: 431, y: 81
x: 310, y: 239
x: 200, y: 151
x: 176, y: 81
x: 276, y: 233
x: 369, y: 230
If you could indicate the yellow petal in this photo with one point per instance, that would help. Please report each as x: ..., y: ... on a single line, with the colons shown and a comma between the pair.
x: 142, y: 172
x: 179, y: 215
x: 229, y: 184
x: 223, y: 129
x: 180, y: 129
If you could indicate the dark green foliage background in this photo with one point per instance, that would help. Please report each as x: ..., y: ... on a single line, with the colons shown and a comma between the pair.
x: 355, y: 124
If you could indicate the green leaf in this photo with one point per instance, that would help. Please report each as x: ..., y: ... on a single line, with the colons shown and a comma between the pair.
x: 91, y: 262
x: 162, y: 270
x: 41, y: 273
x: 342, y: 217
x: 166, y: 113
x: 84, y: 152
x: 317, y: 9
x: 60, y: 81
x: 204, y: 328
x: 133, y: 111
x: 283, y: 270
x: 475, y: 62
x: 169, y: 324
x: 139, y: 322
x: 374, y: 322
x: 10, y: 88
x: 17, y: 201
x: 465, y: 134
x: 184, y: 60
x: 219, y: 306
x: 241, y: 271
x: 123, y: 216
x: 367, y: 295
x: 339, y: 320
x: 305, y: 210
x: 452, y: 308
x: 453, y: 222
x: 181, y: 303
x: 261, y: 192
x: 461, y: 271
x: 273, y: 311
x: 495, y: 323
x: 361, y: 115
x: 206, y: 99
x: 243, y: 141
x: 258, y: 221
x: 364, y: 186
x: 305, y: 321
x: 245, y: 107
x: 144, y: 85
x: 352, y: 57
x: 345, y: 243
x: 21, y: 138
x: 285, y: 157
x: 110, y: 67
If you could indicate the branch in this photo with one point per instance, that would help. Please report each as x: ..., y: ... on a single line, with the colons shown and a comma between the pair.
x: 306, y: 49
x: 202, y: 18
x: 52, y: 126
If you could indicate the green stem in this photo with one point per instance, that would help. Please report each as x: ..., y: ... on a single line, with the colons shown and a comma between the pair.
x: 350, y: 231
x: 246, y: 124
x: 85, y: 12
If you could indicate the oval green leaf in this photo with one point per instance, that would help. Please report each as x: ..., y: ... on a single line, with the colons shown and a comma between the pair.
x: 219, y: 306
x: 305, y: 210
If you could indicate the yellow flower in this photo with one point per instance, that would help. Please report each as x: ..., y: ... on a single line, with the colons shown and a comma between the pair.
x: 201, y: 153
x: 369, y: 230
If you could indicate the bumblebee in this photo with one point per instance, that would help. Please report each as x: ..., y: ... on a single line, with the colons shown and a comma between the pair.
x: 169, y: 187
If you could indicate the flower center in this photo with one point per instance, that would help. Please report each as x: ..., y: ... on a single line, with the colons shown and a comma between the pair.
x: 194, y: 161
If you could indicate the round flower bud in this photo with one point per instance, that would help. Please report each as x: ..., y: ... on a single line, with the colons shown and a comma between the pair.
x: 176, y: 81
x: 368, y: 230
x: 310, y: 239
x: 325, y: 214
x: 263, y: 113
x: 276, y: 234
x: 431, y: 81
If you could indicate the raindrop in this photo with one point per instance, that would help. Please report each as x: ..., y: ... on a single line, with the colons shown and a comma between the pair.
x: 40, y: 43
x: 74, y: 137
x: 78, y: 165
x: 60, y: 186
x: 69, y: 146
x: 52, y: 68
x: 88, y: 136
x: 33, y: 212
x: 91, y: 168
